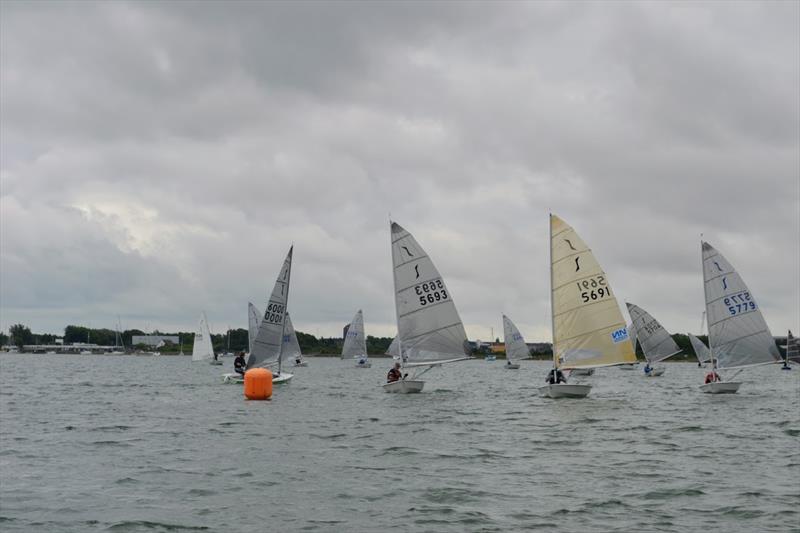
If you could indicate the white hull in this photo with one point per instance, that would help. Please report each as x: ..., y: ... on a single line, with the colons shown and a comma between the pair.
x: 404, y: 386
x: 582, y: 372
x: 512, y: 366
x: 655, y: 372
x: 238, y: 378
x: 565, y: 390
x: 301, y: 363
x: 721, y: 387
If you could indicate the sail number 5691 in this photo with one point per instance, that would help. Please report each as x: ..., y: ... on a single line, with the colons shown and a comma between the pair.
x: 592, y: 289
x: 431, y: 292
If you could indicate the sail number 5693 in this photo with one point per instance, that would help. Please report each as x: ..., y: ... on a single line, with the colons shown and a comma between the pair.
x: 431, y: 292
x: 592, y: 289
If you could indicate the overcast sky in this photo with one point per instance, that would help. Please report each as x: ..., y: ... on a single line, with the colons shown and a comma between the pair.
x: 158, y: 159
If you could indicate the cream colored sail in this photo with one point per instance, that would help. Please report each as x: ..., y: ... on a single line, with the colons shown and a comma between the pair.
x: 429, y: 328
x: 588, y: 328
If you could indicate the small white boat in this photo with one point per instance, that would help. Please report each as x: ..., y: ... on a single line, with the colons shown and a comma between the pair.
x: 429, y: 331
x: 355, y: 342
x: 516, y: 349
x: 656, y: 342
x: 582, y: 372
x: 565, y: 390
x: 277, y: 379
x: 291, y: 346
x: 721, y: 387
x: 202, y: 349
x: 738, y: 335
x: 404, y: 386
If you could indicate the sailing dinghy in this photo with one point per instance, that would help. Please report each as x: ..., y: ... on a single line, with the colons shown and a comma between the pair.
x: 700, y: 350
x: 291, y: 346
x: 355, y: 343
x: 203, y: 350
x: 738, y: 335
x: 656, y: 342
x: 588, y: 328
x: 429, y: 331
x: 516, y: 349
x: 268, y: 346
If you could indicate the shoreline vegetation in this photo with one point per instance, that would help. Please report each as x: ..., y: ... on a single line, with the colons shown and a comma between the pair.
x: 77, y: 337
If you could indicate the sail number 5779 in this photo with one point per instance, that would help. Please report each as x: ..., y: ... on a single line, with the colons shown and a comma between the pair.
x: 740, y: 303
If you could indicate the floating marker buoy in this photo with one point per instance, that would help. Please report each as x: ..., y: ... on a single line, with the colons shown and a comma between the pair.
x: 258, y: 384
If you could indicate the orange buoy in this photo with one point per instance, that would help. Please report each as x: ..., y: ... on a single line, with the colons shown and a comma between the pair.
x: 258, y: 384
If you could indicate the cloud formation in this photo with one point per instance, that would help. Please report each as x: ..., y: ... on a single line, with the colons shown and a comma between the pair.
x: 157, y: 159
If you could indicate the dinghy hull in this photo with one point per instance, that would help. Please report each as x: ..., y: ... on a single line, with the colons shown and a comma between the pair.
x: 238, y: 378
x: 365, y: 365
x: 656, y: 372
x: 404, y: 386
x: 565, y: 390
x: 513, y: 366
x: 721, y: 387
x: 304, y: 363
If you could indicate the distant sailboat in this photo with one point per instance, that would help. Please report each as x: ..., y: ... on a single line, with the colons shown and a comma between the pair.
x: 516, y: 349
x: 355, y: 343
x: 588, y: 328
x: 656, y: 342
x: 291, y: 346
x: 738, y: 336
x: 700, y: 350
x: 119, y: 344
x: 203, y: 350
x: 792, y: 351
x: 253, y: 321
x: 429, y: 331
x: 267, y: 349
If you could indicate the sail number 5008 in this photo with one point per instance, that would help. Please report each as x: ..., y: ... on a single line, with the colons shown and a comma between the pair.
x: 592, y: 289
x: 431, y: 292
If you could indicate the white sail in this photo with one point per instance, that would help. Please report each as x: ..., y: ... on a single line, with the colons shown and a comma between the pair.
x: 253, y: 321
x: 267, y: 345
x: 632, y: 335
x: 355, y: 343
x: 394, y: 348
x: 656, y: 342
x: 202, y: 349
x: 588, y: 328
x: 738, y: 336
x: 291, y: 347
x: 428, y: 324
x: 516, y: 349
x: 792, y: 348
x: 700, y: 350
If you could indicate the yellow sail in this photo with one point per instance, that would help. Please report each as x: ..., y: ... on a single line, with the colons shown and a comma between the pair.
x: 588, y: 328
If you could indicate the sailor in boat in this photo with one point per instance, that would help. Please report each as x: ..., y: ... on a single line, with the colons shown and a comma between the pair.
x: 361, y: 360
x: 647, y: 368
x: 297, y: 360
x: 556, y: 376
x: 394, y: 374
x: 239, y: 364
x: 712, y: 377
x: 508, y: 362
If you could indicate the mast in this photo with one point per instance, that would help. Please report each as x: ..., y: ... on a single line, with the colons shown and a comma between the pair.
x: 396, y: 305
x: 705, y: 296
x: 552, y: 311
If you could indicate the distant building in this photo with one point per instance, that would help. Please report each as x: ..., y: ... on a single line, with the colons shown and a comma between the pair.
x: 154, y: 340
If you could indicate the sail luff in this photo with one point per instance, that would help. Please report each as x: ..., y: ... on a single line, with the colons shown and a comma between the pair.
x: 552, y: 297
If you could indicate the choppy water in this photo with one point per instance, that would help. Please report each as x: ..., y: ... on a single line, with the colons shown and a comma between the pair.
x: 103, y: 443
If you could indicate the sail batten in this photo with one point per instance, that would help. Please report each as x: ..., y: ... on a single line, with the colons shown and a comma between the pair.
x: 588, y: 328
x: 429, y: 328
x: 266, y: 349
x: 738, y: 335
x: 657, y: 344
